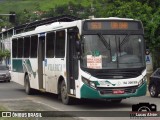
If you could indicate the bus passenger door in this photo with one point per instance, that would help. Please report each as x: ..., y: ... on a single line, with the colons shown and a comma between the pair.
x: 41, y: 62
x: 50, y: 81
x: 72, y: 60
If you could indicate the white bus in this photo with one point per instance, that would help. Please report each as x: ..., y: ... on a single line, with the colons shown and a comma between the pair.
x: 100, y: 58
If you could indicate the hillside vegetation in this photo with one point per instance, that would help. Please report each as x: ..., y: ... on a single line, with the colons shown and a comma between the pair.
x: 31, y: 10
x: 19, y: 5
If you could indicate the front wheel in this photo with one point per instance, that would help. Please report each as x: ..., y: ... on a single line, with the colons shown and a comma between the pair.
x: 64, y: 95
x: 153, y: 90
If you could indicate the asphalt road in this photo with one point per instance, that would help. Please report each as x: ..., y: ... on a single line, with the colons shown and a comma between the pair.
x: 13, y: 96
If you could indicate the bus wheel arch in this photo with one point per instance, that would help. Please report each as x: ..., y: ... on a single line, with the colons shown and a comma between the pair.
x: 62, y: 92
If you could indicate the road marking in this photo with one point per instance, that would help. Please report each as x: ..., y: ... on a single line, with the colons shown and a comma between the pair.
x: 32, y: 99
x: 13, y: 99
x: 48, y: 105
x: 77, y: 118
x: 37, y: 101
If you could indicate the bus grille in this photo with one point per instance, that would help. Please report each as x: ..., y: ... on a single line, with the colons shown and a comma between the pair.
x: 127, y: 90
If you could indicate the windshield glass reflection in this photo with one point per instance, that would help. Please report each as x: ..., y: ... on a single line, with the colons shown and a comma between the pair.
x: 112, y: 51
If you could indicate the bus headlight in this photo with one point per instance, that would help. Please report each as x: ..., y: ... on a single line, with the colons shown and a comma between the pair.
x: 88, y: 82
x: 142, y: 81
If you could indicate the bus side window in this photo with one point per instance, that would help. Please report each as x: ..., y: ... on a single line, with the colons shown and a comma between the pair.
x: 26, y: 47
x: 20, y: 47
x: 34, y: 43
x: 50, y: 45
x: 60, y: 44
x: 14, y: 48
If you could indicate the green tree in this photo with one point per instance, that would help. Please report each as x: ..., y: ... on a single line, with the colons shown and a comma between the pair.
x: 2, y: 55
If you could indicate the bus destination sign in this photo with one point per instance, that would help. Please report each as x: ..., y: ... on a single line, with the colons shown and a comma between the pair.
x: 111, y: 25
x: 119, y: 25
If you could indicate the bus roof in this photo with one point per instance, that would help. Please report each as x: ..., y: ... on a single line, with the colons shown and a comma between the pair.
x: 49, y: 27
x: 111, y: 18
x: 61, y: 25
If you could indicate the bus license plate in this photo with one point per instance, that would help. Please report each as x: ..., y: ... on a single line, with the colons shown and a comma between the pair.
x: 118, y: 91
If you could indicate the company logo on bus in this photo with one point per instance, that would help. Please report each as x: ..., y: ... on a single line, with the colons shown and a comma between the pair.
x: 105, y: 83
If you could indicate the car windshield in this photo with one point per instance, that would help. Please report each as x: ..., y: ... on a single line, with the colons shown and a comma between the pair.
x: 3, y: 68
x: 112, y: 51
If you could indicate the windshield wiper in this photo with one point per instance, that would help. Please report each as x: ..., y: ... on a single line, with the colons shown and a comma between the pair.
x: 125, y: 39
x: 104, y: 41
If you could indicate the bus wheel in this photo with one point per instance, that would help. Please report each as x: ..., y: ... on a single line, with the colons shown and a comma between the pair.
x: 64, y: 96
x: 28, y: 90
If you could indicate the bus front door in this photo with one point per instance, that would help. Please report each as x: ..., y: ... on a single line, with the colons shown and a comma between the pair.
x: 72, y: 61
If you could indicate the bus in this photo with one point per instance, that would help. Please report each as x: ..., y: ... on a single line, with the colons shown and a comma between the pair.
x: 98, y: 58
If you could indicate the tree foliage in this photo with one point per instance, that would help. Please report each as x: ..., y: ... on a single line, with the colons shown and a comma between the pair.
x: 4, y: 54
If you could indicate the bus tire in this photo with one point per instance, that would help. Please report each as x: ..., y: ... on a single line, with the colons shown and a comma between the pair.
x: 64, y: 95
x: 28, y: 89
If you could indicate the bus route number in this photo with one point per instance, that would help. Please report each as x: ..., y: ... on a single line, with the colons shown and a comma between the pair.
x: 130, y: 82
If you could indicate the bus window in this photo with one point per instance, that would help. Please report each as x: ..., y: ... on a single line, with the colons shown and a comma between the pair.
x: 20, y: 47
x: 60, y: 44
x: 26, y: 47
x: 14, y: 48
x: 34, y: 42
x: 50, y: 45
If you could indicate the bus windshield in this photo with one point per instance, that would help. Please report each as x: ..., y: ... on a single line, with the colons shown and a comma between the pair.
x: 112, y: 51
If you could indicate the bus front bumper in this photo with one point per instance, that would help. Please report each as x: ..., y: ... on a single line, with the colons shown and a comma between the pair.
x: 88, y: 92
